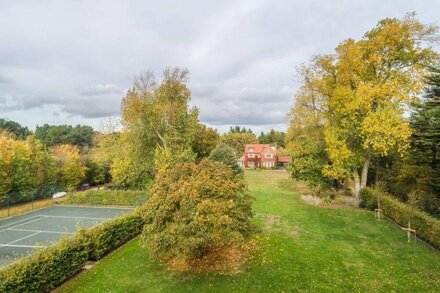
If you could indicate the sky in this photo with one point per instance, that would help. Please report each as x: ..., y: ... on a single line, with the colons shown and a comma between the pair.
x: 71, y: 62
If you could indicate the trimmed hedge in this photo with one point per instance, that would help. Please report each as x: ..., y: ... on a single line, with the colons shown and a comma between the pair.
x: 109, y: 197
x: 50, y: 267
x: 427, y: 227
x: 47, y: 269
x: 112, y: 234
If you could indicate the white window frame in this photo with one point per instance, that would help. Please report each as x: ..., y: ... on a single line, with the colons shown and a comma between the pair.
x: 251, y: 164
x: 268, y: 156
x: 250, y: 155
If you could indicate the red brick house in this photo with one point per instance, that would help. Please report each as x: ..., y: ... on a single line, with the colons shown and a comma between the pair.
x: 263, y: 156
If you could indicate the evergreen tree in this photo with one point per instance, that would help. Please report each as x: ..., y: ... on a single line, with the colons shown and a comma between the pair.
x: 425, y: 140
x: 225, y: 154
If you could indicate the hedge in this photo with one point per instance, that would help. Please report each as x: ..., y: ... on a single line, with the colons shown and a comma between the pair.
x: 110, y: 235
x: 47, y: 269
x: 427, y: 227
x: 108, y: 197
x: 50, y: 267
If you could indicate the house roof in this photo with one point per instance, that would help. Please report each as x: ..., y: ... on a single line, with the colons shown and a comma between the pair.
x: 284, y: 159
x: 269, y: 150
x: 241, y: 159
x: 258, y: 148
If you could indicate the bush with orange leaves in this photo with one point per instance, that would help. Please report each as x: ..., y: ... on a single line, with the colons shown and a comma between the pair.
x: 195, y: 212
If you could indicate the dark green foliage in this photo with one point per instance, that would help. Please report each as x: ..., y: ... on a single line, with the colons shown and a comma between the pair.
x: 80, y: 135
x: 273, y: 137
x: 425, y: 141
x: 205, y: 141
x: 238, y: 129
x: 112, y: 234
x: 109, y: 197
x: 309, y: 157
x: 418, y: 173
x: 427, y: 227
x: 47, y: 269
x: 15, y: 128
x: 195, y: 209
x: 97, y: 172
x: 225, y: 154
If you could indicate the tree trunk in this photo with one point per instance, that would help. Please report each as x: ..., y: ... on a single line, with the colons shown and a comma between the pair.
x: 364, y: 174
x: 357, y: 183
x: 360, y: 181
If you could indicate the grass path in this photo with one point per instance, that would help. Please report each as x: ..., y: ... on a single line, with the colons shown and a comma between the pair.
x: 303, y: 249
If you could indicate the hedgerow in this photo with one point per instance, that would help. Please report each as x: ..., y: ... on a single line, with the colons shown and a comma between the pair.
x: 110, y: 235
x: 45, y: 270
x: 109, y: 197
x: 427, y: 227
x: 50, y: 267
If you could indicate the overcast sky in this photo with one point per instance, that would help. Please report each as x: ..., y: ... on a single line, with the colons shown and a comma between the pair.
x: 69, y: 62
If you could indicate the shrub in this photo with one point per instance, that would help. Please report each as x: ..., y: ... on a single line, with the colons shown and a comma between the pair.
x: 112, y: 234
x: 427, y: 227
x: 225, y: 154
x: 194, y: 210
x: 45, y: 270
x: 109, y: 197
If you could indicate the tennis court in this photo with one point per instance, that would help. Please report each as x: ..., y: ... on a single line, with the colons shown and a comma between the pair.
x: 24, y: 234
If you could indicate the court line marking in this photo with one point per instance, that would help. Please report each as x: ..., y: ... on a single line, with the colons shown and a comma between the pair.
x: 41, y: 231
x: 22, y: 238
x: 19, y: 221
x: 41, y: 218
x: 52, y: 244
x: 72, y: 217
x: 96, y: 207
x: 22, y: 246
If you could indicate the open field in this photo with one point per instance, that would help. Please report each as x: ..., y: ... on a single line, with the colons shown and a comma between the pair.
x: 302, y: 248
x: 22, y: 235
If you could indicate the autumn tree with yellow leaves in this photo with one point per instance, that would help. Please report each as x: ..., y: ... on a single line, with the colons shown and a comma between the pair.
x: 366, y: 87
x: 70, y: 164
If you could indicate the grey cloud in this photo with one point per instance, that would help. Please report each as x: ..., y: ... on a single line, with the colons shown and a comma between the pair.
x: 80, y: 56
x: 101, y: 89
x: 251, y: 106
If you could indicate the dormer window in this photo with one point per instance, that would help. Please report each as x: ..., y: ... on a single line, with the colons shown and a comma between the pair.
x: 268, y: 156
x: 251, y: 149
x: 250, y: 155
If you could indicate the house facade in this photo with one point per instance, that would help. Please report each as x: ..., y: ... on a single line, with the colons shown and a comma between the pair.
x: 263, y: 156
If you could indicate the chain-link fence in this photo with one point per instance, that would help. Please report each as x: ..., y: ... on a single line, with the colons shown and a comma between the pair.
x: 16, y: 203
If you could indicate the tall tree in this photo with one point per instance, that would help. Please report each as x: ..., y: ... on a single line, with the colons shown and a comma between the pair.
x: 373, y: 81
x: 273, y: 137
x: 205, y: 141
x: 238, y: 140
x: 421, y: 169
x: 160, y: 125
x: 305, y: 136
x: 71, y: 165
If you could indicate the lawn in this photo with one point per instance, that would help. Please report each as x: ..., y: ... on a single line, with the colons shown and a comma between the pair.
x: 302, y: 248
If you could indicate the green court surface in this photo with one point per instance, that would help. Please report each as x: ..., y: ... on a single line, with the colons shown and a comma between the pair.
x: 33, y: 231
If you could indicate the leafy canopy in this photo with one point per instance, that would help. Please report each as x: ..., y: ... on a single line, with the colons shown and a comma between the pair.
x: 225, y: 154
x: 195, y: 209
x: 159, y: 124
